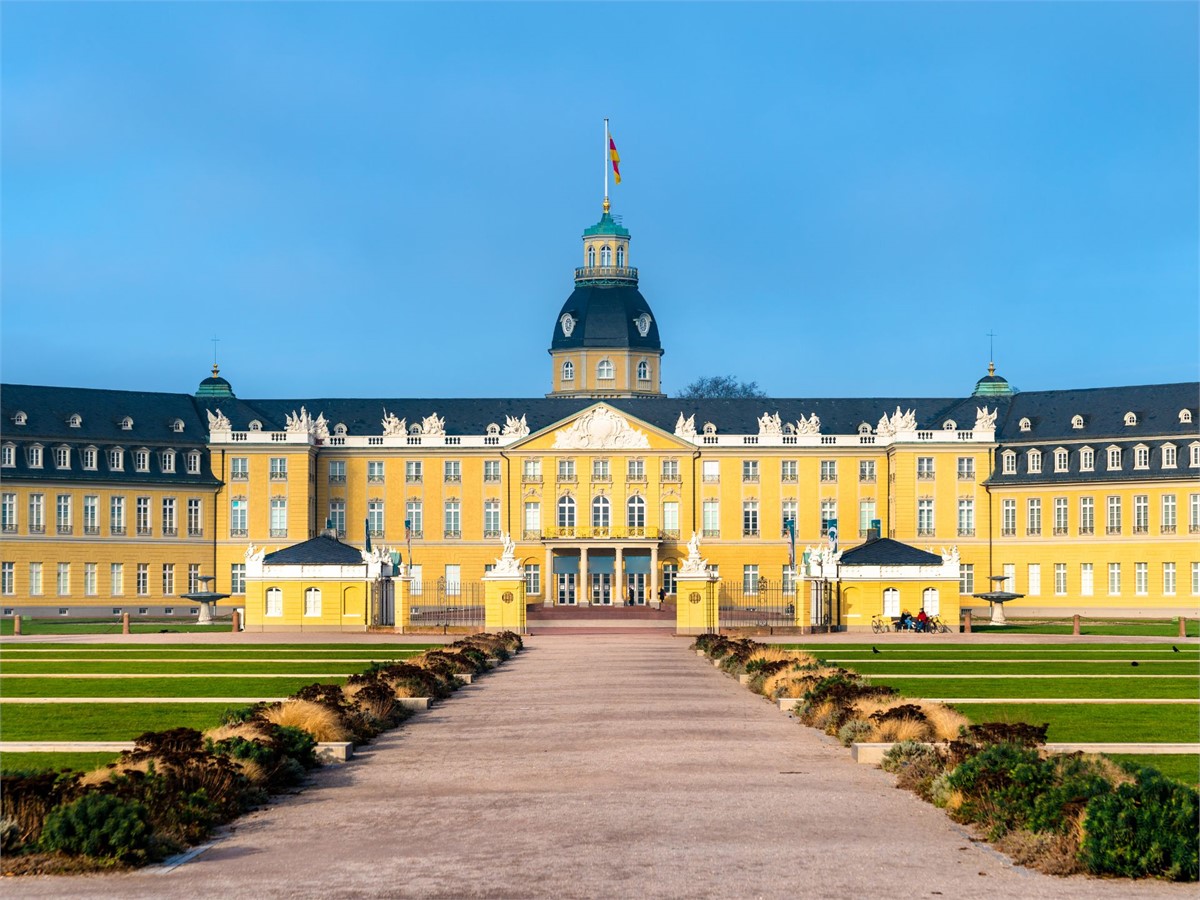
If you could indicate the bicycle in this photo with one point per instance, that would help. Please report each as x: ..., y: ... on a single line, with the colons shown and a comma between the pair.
x: 881, y: 625
x: 936, y: 626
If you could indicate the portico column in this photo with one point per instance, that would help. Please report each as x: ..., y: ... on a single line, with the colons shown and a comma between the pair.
x: 550, y: 582
x: 619, y: 575
x: 654, y: 575
x: 583, y: 594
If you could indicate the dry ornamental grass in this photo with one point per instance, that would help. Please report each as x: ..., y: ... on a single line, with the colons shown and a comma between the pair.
x: 320, y: 721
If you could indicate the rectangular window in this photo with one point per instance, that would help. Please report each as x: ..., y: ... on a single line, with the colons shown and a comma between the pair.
x: 238, y: 516
x: 1193, y: 514
x: 711, y: 523
x: 924, y: 517
x: 8, y: 456
x: 1196, y: 578
x: 966, y: 578
x: 1008, y: 463
x: 1168, y: 514
x: 1061, y: 460
x: 1141, y: 578
x: 1170, y: 456
x: 750, y: 518
x: 533, y: 578
x: 193, y: 576
x: 195, y: 518
x: 600, y: 470
x: 670, y: 574
x: 1086, y: 579
x: 116, y: 515
x: 35, y: 579
x: 787, y: 578
x: 531, y: 470
x: 966, y: 468
x: 193, y: 463
x: 116, y: 579
x: 62, y: 513
x: 866, y: 471
x: 1033, y: 523
x: 866, y: 515
x: 279, y: 468
x: 711, y: 470
x: 168, y: 579
x: 453, y: 580
x: 491, y: 519
x: 375, y: 471
x: 452, y: 471
x: 750, y: 471
x: 1060, y: 515
x: 966, y: 517
x: 1114, y: 515
x: 452, y: 520
x: 670, y: 470
x: 1060, y: 579
x: 337, y: 471
x: 337, y: 517
x: 278, y: 521
x: 8, y: 578
x: 1035, y: 580
x: 828, y: 515
x: 64, y: 579
x: 924, y: 468
x: 1087, y: 459
x: 62, y: 457
x: 636, y: 470
x: 1035, y: 462
x: 37, y: 513
x: 789, y: 510
x: 375, y: 518
x: 412, y: 471
x: 1169, y: 578
x: 414, y: 519
x: 491, y: 471
x: 1141, y: 457
x: 1008, y: 518
x: 142, y: 511
x: 750, y: 579
x: 1114, y: 459
x: 168, y: 517
x: 1010, y: 577
x: 670, y: 511
x: 829, y: 470
x: 237, y: 578
x: 1087, y: 515
x: 89, y: 579
x: 1114, y: 578
x: 239, y: 468
x: 274, y: 602
x: 143, y: 579
x: 91, y: 514
x: 167, y: 461
x: 1141, y: 514
x: 34, y: 456
x: 566, y: 470
x: 788, y: 471
x: 8, y: 513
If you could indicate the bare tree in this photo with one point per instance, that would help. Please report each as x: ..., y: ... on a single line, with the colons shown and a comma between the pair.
x: 721, y: 386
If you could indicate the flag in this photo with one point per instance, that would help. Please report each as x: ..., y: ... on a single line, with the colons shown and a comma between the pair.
x: 616, y: 160
x: 367, y: 529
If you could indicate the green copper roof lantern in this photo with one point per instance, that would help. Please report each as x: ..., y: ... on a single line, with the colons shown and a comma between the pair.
x: 992, y: 385
x: 214, y: 385
x: 607, y: 225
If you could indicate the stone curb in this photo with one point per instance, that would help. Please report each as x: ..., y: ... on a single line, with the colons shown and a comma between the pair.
x: 871, y: 754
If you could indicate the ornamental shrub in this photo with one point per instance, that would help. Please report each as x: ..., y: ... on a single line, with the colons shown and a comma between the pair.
x: 854, y: 731
x: 1000, y: 786
x: 1144, y: 828
x: 916, y: 766
x: 101, y: 826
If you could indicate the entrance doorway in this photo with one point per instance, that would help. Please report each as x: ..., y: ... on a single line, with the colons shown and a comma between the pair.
x: 566, y: 588
x: 635, y: 589
x: 602, y: 584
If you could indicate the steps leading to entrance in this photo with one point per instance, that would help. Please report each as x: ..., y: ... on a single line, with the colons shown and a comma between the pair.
x: 535, y: 612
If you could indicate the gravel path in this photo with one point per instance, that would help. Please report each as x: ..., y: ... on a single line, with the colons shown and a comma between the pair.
x: 599, y: 766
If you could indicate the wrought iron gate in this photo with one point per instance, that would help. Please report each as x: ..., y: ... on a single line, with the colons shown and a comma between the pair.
x: 449, y: 603
x: 756, y: 603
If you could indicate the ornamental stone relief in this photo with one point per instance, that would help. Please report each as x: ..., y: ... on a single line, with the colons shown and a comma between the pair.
x: 599, y: 429
x: 568, y: 324
x: 217, y: 421
x: 391, y: 425
x: 515, y: 428
x: 686, y: 428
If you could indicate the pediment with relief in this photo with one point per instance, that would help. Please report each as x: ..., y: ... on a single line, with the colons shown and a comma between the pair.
x: 600, y: 428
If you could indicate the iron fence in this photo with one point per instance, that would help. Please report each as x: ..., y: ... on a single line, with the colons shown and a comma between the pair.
x: 756, y: 603
x: 447, y: 603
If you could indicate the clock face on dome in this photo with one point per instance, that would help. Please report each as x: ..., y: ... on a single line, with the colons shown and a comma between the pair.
x: 643, y: 324
x: 568, y: 324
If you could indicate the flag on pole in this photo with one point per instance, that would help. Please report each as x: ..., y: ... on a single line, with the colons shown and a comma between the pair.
x: 367, y: 529
x: 616, y: 160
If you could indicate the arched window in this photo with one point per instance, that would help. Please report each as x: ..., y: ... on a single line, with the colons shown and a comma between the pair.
x: 591, y: 257
x: 568, y: 371
x: 274, y: 602
x: 312, y: 602
x: 606, y: 255
x: 930, y: 602
x: 636, y: 512
x: 891, y: 602
x: 604, y: 369
x: 643, y: 371
x: 621, y: 257
x: 601, y: 517
x: 566, y: 512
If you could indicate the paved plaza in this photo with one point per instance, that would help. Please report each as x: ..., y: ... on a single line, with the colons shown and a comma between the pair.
x: 598, y: 766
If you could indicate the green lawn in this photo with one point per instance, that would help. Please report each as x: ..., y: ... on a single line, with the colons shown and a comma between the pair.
x: 108, y: 626
x: 1095, y: 688
x: 1183, y: 767
x: 235, y: 648
x: 1189, y: 653
x: 1097, y: 722
x: 41, y: 762
x: 962, y: 644
x: 157, y: 687
x: 1151, y: 628
x: 102, y: 721
x: 1145, y: 666
x: 110, y: 655
x: 167, y: 667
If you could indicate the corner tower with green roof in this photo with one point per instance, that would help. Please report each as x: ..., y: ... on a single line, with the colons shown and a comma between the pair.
x: 605, y: 341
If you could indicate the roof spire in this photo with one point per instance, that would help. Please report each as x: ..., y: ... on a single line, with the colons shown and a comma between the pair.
x: 607, y: 206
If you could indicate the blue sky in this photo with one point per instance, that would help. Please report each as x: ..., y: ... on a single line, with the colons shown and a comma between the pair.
x: 387, y: 199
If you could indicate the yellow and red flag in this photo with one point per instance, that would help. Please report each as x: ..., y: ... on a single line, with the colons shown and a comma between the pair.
x: 616, y: 160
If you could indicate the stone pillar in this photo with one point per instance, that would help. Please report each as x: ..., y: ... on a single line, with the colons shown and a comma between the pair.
x: 1182, y: 627
x: 654, y: 601
x: 804, y: 589
x: 124, y: 623
x: 550, y: 582
x: 403, y: 603
x: 695, y: 604
x: 583, y: 591
x: 1075, y: 626
x: 619, y: 574
x: 503, y: 606
x: 237, y: 621
x: 967, y: 622
x: 17, y: 625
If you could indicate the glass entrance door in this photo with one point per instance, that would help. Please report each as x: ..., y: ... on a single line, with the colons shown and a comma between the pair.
x: 635, y: 590
x: 566, y: 588
x: 602, y: 584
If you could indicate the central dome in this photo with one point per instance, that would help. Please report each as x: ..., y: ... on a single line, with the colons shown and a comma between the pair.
x: 615, y: 316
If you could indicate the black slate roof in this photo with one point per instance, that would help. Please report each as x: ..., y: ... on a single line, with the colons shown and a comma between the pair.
x: 1157, y: 407
x: 887, y: 552
x: 321, y: 551
x: 605, y: 317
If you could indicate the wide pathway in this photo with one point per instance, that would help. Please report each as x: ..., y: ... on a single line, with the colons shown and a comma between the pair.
x: 600, y: 766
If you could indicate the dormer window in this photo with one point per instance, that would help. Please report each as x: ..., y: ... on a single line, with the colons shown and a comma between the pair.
x: 20, y: 418
x: 8, y: 455
x: 643, y: 371
x: 606, y: 255
x: 193, y: 462
x: 127, y: 424
x: 605, y: 370
x: 1025, y: 425
x: 568, y: 371
x: 1185, y: 417
x: 33, y: 456
x: 1061, y: 459
x: 1087, y: 459
x: 1008, y: 462
x: 340, y: 429
x: 1035, y: 462
x: 177, y: 426
x: 414, y: 428
x: 1130, y: 419
x: 1170, y: 456
x: 1077, y: 422
x: 116, y: 460
x: 167, y: 460
x: 75, y: 421
x: 864, y: 428
x: 1114, y: 459
x: 1194, y: 454
x: 88, y: 457
x: 62, y: 457
x: 1141, y: 457
x: 710, y: 428
x: 949, y: 425
x: 493, y: 430
x: 255, y: 425
x: 141, y: 460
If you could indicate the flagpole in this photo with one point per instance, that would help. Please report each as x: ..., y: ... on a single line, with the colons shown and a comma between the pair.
x: 606, y: 162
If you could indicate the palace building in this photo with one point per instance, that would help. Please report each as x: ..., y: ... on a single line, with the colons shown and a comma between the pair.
x: 1088, y: 501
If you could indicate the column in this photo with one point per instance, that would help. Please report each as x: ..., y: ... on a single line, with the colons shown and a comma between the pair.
x: 583, y: 592
x: 654, y: 576
x: 619, y: 575
x: 549, y: 582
